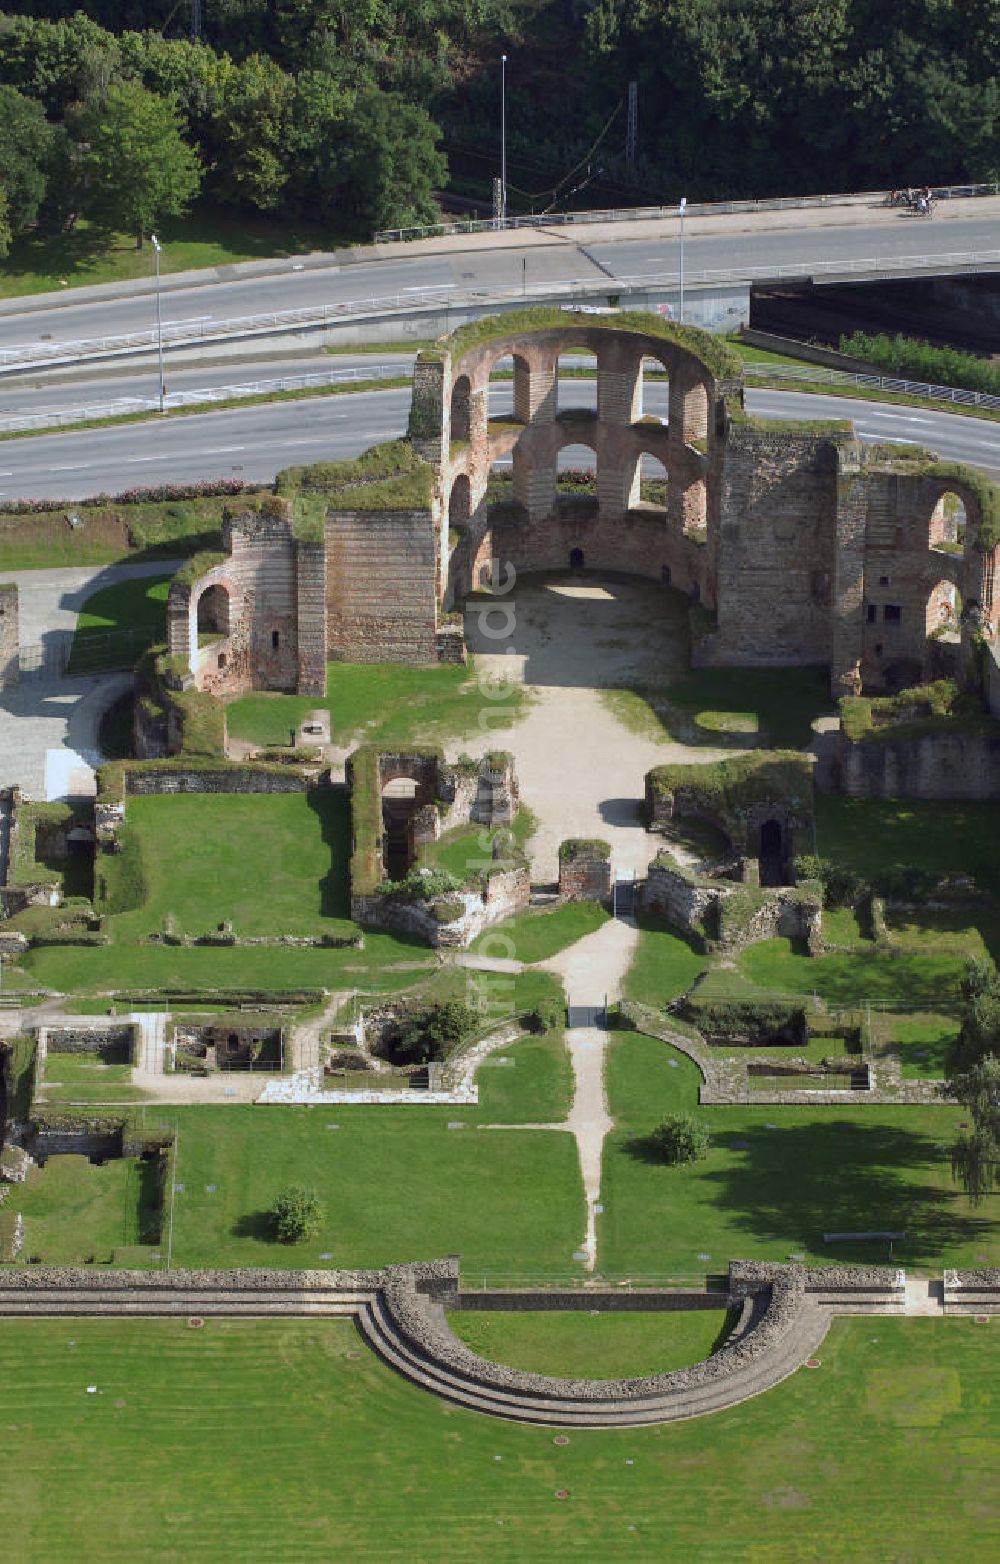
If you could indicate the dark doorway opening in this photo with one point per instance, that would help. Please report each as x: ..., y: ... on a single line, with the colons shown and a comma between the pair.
x: 772, y: 855
x: 576, y: 559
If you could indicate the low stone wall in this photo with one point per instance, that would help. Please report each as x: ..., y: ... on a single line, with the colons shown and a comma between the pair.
x: 584, y: 871
x: 726, y: 914
x: 941, y: 764
x: 538, y: 1299
x: 237, y: 779
x: 507, y: 892
x: 84, y: 1039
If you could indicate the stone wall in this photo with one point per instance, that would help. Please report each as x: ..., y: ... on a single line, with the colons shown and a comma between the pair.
x: 234, y: 779
x: 584, y: 871
x: 10, y: 637
x: 85, y: 1039
x: 381, y: 603
x: 943, y: 764
x: 727, y: 915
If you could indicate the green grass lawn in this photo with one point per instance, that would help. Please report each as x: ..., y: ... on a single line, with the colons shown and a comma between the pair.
x: 86, y: 1078
x: 535, y: 936
x: 118, y: 623
x: 665, y: 964
x: 737, y: 706
x: 886, y: 1455
x: 206, y: 237
x: 776, y: 1179
x: 269, y: 863
x: 467, y: 851
x: 841, y: 926
x: 580, y: 1345
x: 876, y: 835
x: 922, y: 1042
x: 380, y: 703
x: 397, y: 1184
x: 75, y: 1211
x: 530, y: 1082
x: 385, y: 963
x: 922, y: 977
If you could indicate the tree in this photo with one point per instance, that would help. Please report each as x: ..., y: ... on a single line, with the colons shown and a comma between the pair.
x: 974, y: 1078
x: 141, y: 168
x: 26, y: 147
x: 4, y: 226
x: 297, y: 1213
x: 680, y: 1139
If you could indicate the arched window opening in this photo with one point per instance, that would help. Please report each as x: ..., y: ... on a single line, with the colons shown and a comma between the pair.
x: 654, y: 391
x: 649, y: 486
x: 500, y: 483
x: 576, y: 478
x: 459, y: 508
x: 948, y: 519
x: 576, y: 380
x: 461, y: 409
x: 213, y: 612
x: 944, y: 612
x: 501, y: 388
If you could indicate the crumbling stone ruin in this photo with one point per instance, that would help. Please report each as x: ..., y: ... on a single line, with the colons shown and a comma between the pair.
x: 800, y: 545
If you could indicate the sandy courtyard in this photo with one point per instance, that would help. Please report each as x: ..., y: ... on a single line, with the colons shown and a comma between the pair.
x: 581, y: 770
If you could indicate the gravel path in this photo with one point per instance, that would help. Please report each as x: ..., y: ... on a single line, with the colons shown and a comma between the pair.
x: 581, y: 771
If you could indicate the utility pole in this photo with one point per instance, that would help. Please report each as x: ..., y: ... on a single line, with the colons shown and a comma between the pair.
x: 497, y: 203
x: 159, y: 324
x: 503, y: 141
x: 682, y: 208
x: 632, y: 129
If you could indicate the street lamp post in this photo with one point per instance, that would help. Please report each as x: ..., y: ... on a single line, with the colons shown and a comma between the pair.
x: 503, y: 141
x: 159, y: 324
x: 682, y: 208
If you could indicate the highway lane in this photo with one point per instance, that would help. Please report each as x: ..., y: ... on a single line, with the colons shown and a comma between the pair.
x: 254, y: 443
x: 540, y: 259
x: 25, y: 395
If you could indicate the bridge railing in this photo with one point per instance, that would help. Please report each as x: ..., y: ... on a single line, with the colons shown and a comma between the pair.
x: 814, y: 374
x: 448, y: 298
x: 638, y: 214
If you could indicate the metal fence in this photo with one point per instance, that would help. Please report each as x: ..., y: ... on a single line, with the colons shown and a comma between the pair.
x: 405, y: 303
x: 56, y: 418
x: 841, y: 377
x: 638, y: 214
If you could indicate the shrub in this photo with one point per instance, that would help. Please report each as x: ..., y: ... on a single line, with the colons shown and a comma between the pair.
x: 297, y: 1214
x: 546, y: 1015
x: 680, y: 1139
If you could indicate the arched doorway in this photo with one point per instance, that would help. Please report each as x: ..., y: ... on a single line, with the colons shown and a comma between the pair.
x: 654, y: 389
x: 459, y: 505
x: 213, y: 611
x: 576, y: 559
x: 399, y: 803
x: 772, y: 853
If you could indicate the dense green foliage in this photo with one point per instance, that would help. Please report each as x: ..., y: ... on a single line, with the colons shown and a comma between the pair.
x: 917, y: 360
x: 678, y: 1139
x: 334, y: 110
x: 975, y: 1081
x: 297, y: 1214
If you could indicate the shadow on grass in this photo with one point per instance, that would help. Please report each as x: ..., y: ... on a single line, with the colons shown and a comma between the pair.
x: 333, y: 810
x: 256, y: 1224
x: 835, y: 1175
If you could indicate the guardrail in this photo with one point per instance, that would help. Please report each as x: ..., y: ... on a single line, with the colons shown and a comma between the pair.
x: 637, y: 214
x: 123, y: 406
x: 843, y: 377
x: 36, y: 353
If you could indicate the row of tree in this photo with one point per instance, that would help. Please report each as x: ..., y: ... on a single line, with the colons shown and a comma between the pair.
x: 128, y: 129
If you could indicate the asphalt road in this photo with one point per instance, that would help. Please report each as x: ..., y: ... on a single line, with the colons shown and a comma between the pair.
x: 255, y: 442
x: 563, y: 255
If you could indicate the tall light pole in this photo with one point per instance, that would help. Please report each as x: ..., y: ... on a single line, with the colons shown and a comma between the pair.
x: 503, y: 141
x: 682, y: 208
x: 159, y: 323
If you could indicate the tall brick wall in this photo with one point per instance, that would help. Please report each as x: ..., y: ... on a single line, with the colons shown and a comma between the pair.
x: 10, y: 638
x: 381, y: 595
x: 776, y: 548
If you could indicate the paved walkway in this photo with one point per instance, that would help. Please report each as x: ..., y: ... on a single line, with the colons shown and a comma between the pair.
x: 49, y: 723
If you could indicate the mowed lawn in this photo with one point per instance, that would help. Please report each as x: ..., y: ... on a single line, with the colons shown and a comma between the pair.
x: 75, y: 1211
x: 776, y: 1179
x: 396, y: 1184
x: 579, y: 1344
x: 117, y: 624
x: 877, y: 835
x: 287, y: 1441
x: 383, y: 703
x: 268, y: 863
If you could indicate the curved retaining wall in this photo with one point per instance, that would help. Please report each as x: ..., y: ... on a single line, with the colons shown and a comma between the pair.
x: 785, y: 1312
